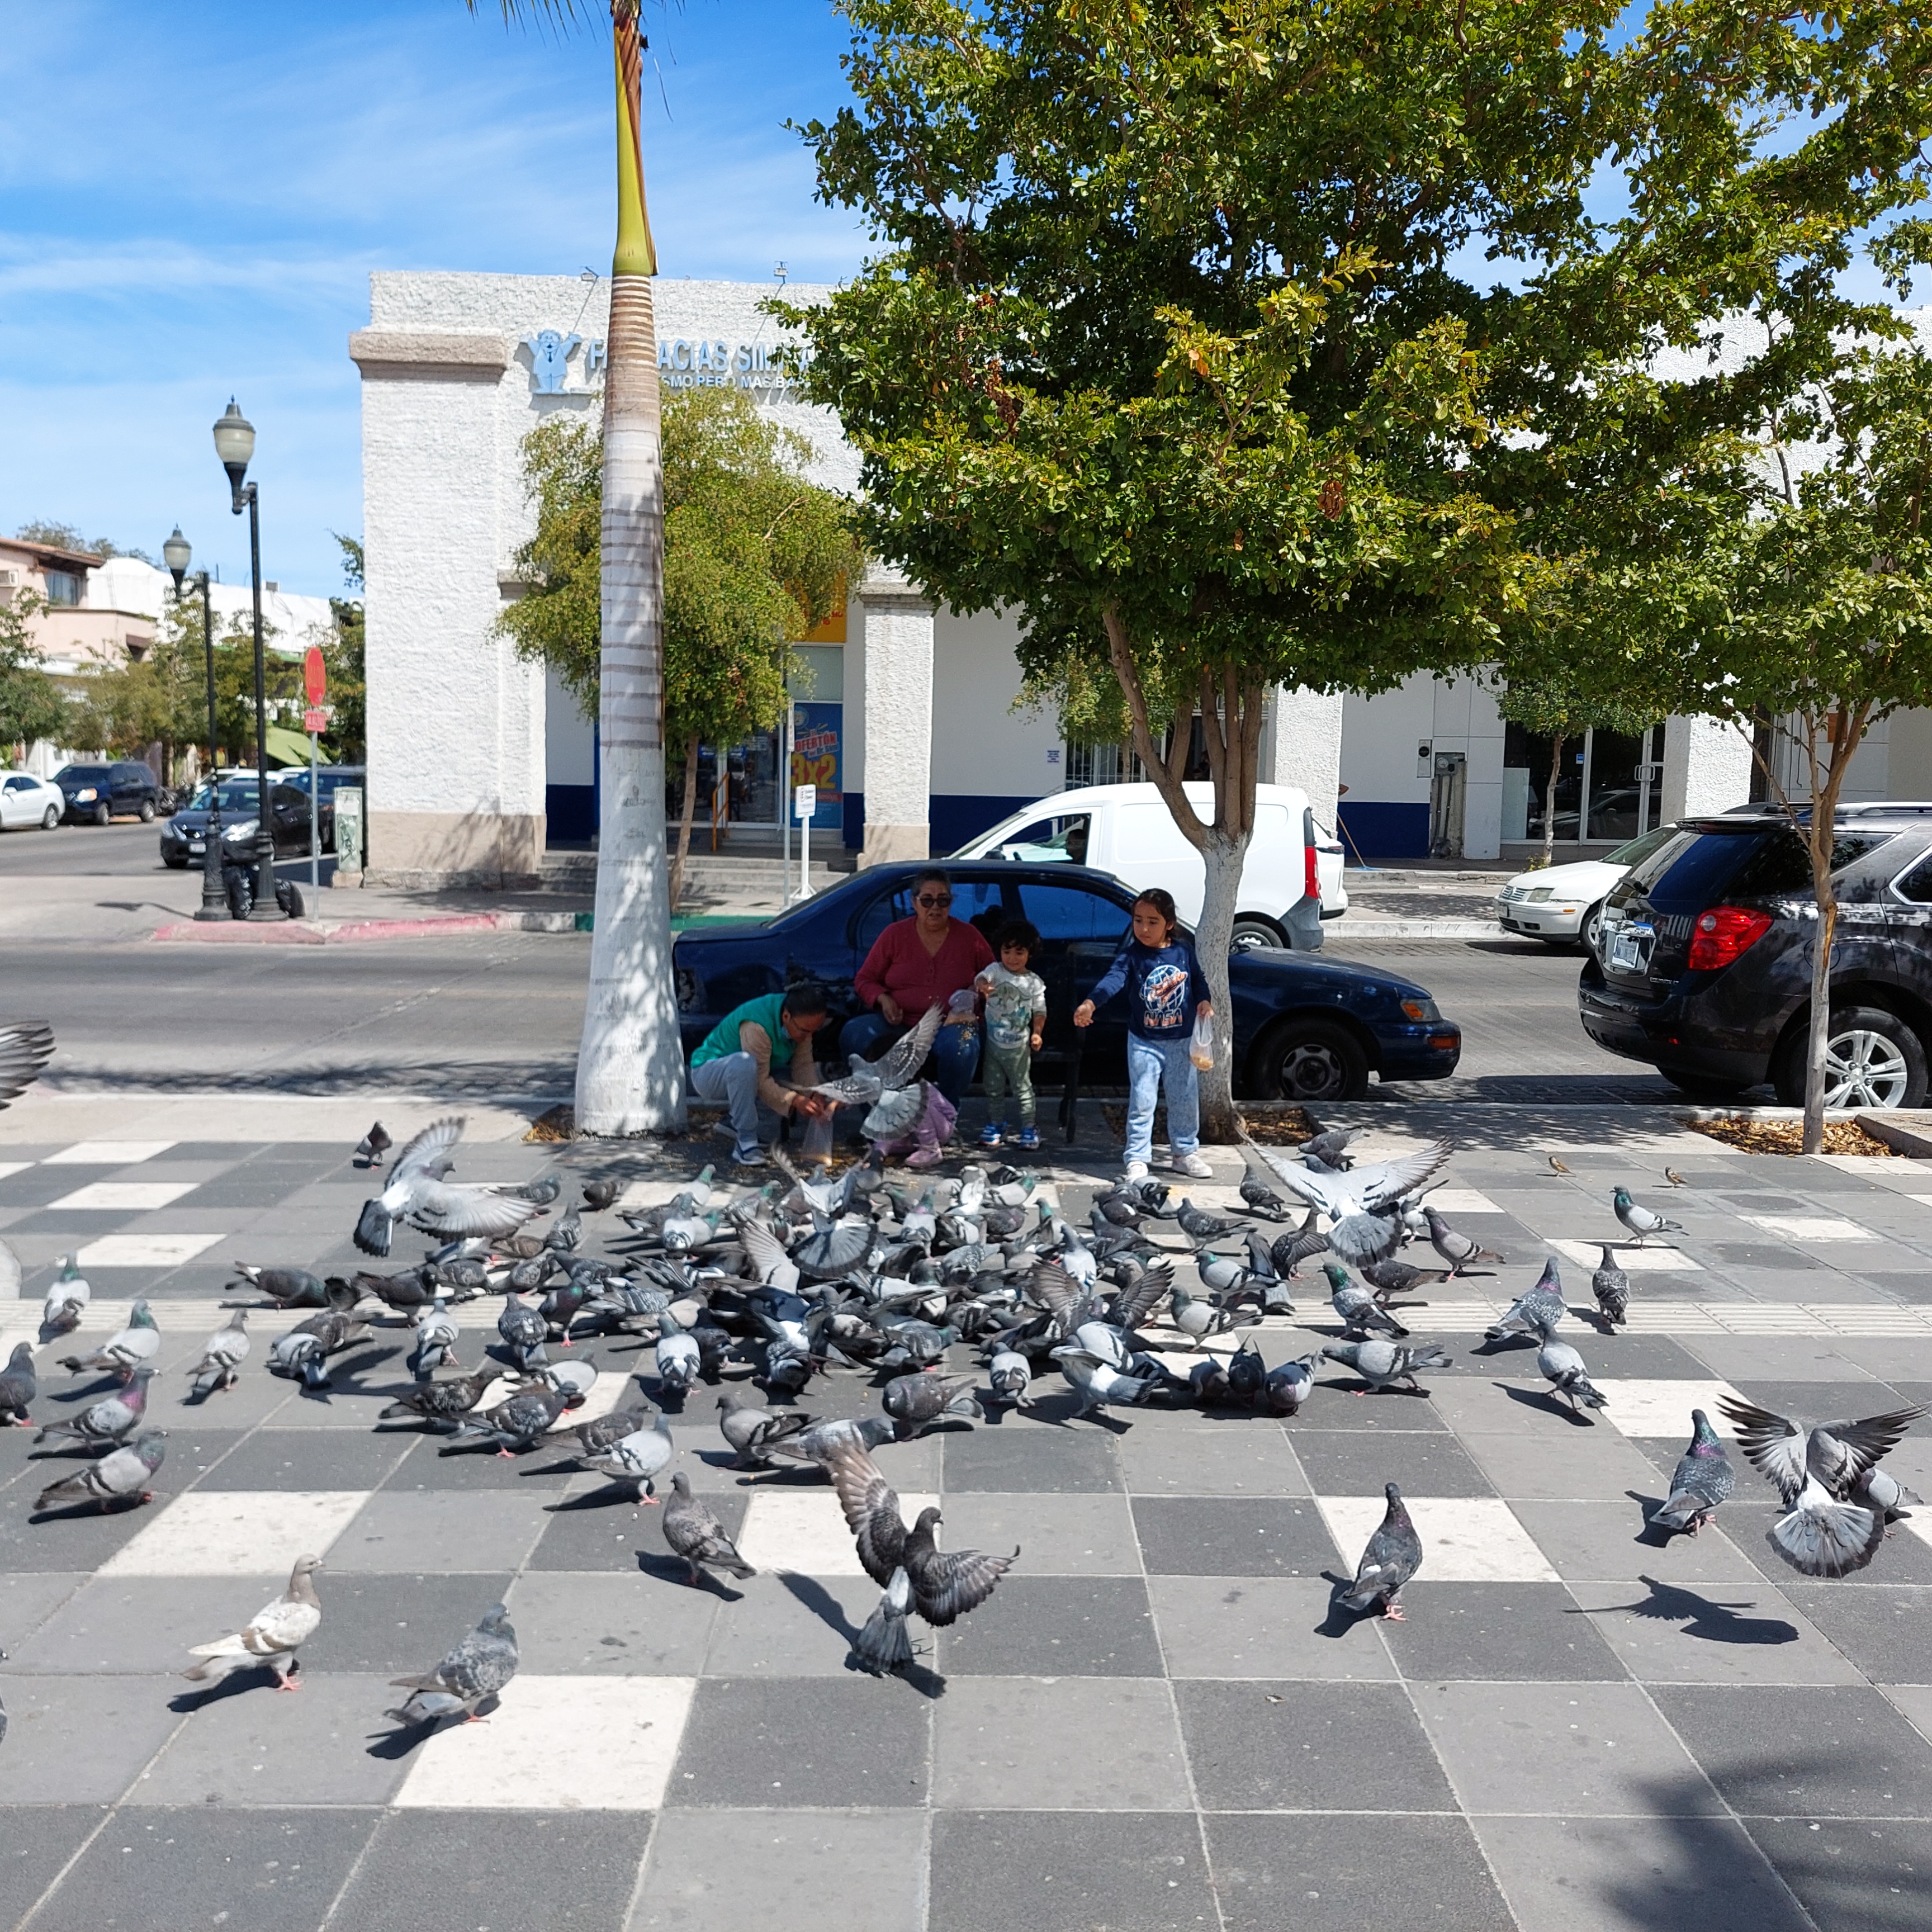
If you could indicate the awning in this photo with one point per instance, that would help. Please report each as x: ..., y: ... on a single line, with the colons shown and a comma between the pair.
x: 291, y: 748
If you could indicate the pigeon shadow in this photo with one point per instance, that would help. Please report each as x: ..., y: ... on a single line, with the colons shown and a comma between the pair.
x: 1547, y: 1403
x: 1651, y: 1536
x: 391, y: 1745
x: 1340, y: 1619
x: 1355, y: 1385
x: 96, y: 1391
x: 1505, y: 1345
x: 236, y: 1684
x: 1701, y: 1616
x: 613, y: 1495
x: 74, y: 1512
x: 669, y: 1569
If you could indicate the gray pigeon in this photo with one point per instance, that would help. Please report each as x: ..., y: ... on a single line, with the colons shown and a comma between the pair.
x: 220, y: 1364
x: 1612, y: 1288
x: 1393, y: 1555
x: 694, y: 1532
x: 1395, y: 1277
x: 112, y: 1420
x: 371, y: 1148
x: 473, y: 1674
x: 514, y: 1424
x: 1287, y: 1386
x: 293, y: 1288
x: 1459, y: 1250
x: 751, y: 1428
x: 574, y: 1378
x: 524, y: 1332
x: 1703, y: 1479
x: 1538, y: 1313
x: 1098, y: 1383
x: 1010, y: 1374
x: 19, y: 1386
x: 823, y: 1440
x: 417, y: 1192
x: 915, y: 1402
x: 139, y: 1342
x: 444, y: 1401
x: 1563, y: 1369
x: 594, y: 1437
x: 272, y: 1636
x: 303, y: 1351
x: 1643, y: 1222
x: 1383, y: 1364
x: 679, y: 1357
x: 636, y: 1459
x: 1361, y: 1312
x: 1331, y: 1147
x: 123, y: 1474
x: 1199, y: 1226
x: 885, y: 1644
x: 67, y: 1299
x: 437, y: 1333
x: 1198, y: 1319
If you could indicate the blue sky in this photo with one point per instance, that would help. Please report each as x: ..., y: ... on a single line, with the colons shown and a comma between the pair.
x: 192, y: 196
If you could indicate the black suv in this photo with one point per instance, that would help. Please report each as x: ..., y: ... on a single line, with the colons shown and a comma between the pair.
x: 95, y: 794
x: 1703, y: 964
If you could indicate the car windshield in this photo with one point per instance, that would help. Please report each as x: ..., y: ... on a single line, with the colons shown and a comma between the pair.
x: 1639, y: 850
x: 82, y: 775
x: 237, y: 795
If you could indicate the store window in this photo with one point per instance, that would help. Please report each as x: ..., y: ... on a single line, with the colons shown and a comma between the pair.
x: 1609, y: 786
x: 63, y: 586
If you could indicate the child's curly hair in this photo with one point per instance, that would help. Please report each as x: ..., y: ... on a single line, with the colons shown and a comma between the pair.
x: 1017, y: 933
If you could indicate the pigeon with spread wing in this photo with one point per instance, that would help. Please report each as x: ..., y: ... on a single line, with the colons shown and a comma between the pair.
x: 889, y: 1087
x: 26, y: 1047
x: 417, y: 1192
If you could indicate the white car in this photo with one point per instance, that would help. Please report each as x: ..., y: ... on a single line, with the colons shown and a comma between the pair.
x: 26, y: 800
x: 1564, y: 904
x: 1290, y: 881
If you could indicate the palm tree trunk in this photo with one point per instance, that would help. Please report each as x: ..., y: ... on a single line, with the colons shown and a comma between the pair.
x: 691, y: 751
x: 630, y: 1066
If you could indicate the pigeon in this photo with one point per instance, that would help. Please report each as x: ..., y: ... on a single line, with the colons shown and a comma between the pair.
x: 1459, y: 1250
x: 371, y: 1148
x: 944, y: 1584
x: 442, y: 1401
x: 819, y: 1443
x: 1198, y: 1319
x: 694, y: 1533
x: 1288, y: 1385
x: 542, y: 1192
x: 139, y: 1342
x: 1563, y: 1369
x: 599, y: 1195
x: 636, y: 1458
x: 889, y: 1087
x: 916, y: 1402
x: 66, y: 1300
x: 1199, y: 1226
x: 1289, y: 1252
x: 1537, y: 1312
x: 220, y: 1364
x: 1260, y: 1200
x: 565, y: 1233
x: 1393, y: 1555
x: 112, y: 1420
x: 1703, y: 1479
x: 751, y: 1428
x: 1359, y: 1311
x: 26, y: 1047
x: 293, y: 1288
x: 1878, y: 1489
x: 272, y: 1636
x: 574, y: 1380
x: 1817, y: 1471
x: 1643, y: 1222
x: 1010, y: 1374
x: 885, y: 1644
x: 19, y: 1386
x: 1364, y: 1191
x: 1247, y: 1373
x: 524, y: 1332
x: 600, y: 1432
x: 1611, y: 1286
x: 678, y: 1356
x: 473, y: 1675
x: 1331, y: 1147
x: 124, y: 1473
x: 1394, y: 1277
x: 1097, y: 1382
x: 417, y: 1193
x: 1383, y: 1364
x: 436, y: 1332
x: 516, y: 1422
x: 303, y: 1351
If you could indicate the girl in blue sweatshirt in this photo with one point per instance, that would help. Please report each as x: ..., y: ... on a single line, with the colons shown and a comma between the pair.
x: 1165, y: 992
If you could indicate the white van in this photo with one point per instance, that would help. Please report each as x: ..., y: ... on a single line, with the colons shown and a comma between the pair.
x: 1292, y: 881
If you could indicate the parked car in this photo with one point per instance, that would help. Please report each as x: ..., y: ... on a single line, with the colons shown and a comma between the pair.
x: 330, y: 779
x: 1290, y: 881
x: 184, y: 836
x: 26, y: 800
x: 1703, y: 964
x: 1564, y: 904
x: 96, y: 793
x: 1305, y: 1029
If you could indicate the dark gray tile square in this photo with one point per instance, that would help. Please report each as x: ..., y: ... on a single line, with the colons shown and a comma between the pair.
x: 1297, y: 1746
x: 439, y: 1463
x: 1019, y: 1461
x: 1820, y: 1402
x: 64, y: 1539
x: 1330, y: 1874
x: 1886, y: 1630
x: 1351, y: 1462
x: 269, y: 1871
x: 586, y: 1531
x: 1915, y: 1287
x: 35, y: 1843
x: 1057, y: 1871
x: 303, y: 1459
x: 1233, y: 1536
x: 454, y: 1871
x: 80, y: 1740
x: 1747, y: 1255
x: 816, y: 1741
x: 1803, y: 1750
x: 1869, y: 1877
x: 391, y: 1624
x: 1650, y: 1357
x: 1524, y: 1633
x: 1055, y: 1627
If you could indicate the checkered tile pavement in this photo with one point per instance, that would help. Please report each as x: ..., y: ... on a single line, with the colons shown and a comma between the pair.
x: 1157, y: 1721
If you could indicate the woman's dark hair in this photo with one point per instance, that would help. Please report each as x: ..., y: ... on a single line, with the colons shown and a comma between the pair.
x: 1019, y: 933
x: 1162, y: 900
x: 805, y: 1001
x: 931, y: 876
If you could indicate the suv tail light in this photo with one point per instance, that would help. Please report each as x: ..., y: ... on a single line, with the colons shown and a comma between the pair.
x: 1721, y: 933
x: 1311, y: 871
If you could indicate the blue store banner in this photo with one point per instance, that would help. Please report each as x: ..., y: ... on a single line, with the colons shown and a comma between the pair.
x: 817, y: 731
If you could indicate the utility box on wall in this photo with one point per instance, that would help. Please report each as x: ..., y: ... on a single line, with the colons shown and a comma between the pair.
x: 348, y: 836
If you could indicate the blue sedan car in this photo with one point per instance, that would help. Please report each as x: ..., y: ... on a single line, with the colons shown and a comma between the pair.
x: 1306, y: 1028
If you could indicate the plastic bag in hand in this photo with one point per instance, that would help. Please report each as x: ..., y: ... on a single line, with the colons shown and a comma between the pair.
x: 1201, y: 1048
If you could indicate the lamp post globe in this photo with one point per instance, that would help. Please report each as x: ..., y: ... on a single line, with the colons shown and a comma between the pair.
x: 177, y: 553
x: 234, y: 444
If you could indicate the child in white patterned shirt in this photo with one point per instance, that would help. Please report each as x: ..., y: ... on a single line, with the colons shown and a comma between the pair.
x: 1016, y: 1025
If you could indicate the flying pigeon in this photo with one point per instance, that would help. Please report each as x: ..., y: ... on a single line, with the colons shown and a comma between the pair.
x: 1643, y: 1222
x: 1563, y: 1369
x: 1382, y: 1364
x: 220, y: 1364
x: 124, y: 1473
x: 417, y: 1192
x: 112, y: 1420
x: 1703, y: 1479
x: 889, y: 1087
x: 139, y: 1342
x: 694, y: 1532
x: 66, y: 1300
x: 885, y: 1644
x: 1538, y: 1313
x: 1364, y: 1191
x: 371, y: 1148
x: 293, y: 1288
x: 26, y: 1047
x: 473, y: 1674
x: 637, y: 1459
x: 1459, y: 1249
x: 1393, y: 1555
x: 272, y: 1636
x: 1612, y: 1288
x: 751, y: 1428
x: 19, y: 1386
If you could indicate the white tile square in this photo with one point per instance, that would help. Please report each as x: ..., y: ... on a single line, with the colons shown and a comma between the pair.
x: 804, y: 1530
x: 145, y: 1250
x: 1632, y: 1260
x: 125, y: 1194
x: 1924, y: 1200
x: 7, y: 1167
x: 108, y: 1154
x: 1644, y: 1407
x: 571, y: 1744
x: 607, y: 1393
x: 1459, y: 1201
x: 1464, y: 1539
x: 1919, y: 1523
x: 1811, y: 1228
x: 236, y: 1533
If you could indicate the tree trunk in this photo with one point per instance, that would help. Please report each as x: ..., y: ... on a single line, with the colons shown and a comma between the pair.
x: 1844, y: 733
x: 630, y: 1067
x: 691, y: 751
x: 1550, y: 804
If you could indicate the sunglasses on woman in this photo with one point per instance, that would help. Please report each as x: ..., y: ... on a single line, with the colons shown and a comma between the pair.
x: 933, y: 899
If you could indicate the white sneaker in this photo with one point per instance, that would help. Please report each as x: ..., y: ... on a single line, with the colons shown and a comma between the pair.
x: 1137, y: 1170
x: 1192, y: 1165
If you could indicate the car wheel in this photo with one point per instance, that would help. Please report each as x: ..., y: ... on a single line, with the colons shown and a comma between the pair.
x: 1310, y: 1060
x: 1255, y: 935
x: 102, y: 816
x: 50, y: 818
x: 1872, y: 1059
x: 1591, y: 930
x: 175, y: 864
x: 146, y: 814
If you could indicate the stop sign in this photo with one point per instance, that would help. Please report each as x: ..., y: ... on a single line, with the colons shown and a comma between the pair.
x: 315, y: 676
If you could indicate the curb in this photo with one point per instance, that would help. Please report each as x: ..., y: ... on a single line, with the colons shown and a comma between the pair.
x: 356, y: 932
x: 1347, y: 927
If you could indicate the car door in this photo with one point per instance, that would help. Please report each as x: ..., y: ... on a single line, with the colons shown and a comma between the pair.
x: 1081, y: 926
x: 16, y: 796
x: 291, y: 810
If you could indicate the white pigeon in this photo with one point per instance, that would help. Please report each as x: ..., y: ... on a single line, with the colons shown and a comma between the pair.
x: 66, y: 1300
x: 272, y: 1637
x: 417, y: 1192
x: 637, y: 1459
x: 123, y: 1353
x: 889, y: 1087
x: 1362, y: 1190
x: 221, y: 1360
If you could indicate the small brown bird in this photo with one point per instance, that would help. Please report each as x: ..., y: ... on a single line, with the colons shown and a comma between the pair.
x: 1556, y: 1166
x: 1675, y: 1179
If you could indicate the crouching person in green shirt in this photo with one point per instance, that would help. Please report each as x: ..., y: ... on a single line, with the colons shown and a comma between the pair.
x: 739, y: 1062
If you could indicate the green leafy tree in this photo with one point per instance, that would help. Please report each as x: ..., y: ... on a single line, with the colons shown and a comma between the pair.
x: 754, y: 554
x: 1562, y: 712
x: 342, y: 654
x: 31, y: 704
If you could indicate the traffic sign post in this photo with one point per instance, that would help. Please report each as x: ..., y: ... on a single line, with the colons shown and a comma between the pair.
x: 804, y: 803
x: 315, y: 720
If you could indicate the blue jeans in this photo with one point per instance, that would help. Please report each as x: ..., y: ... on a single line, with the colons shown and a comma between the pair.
x: 1150, y: 1064
x: 732, y: 1077
x: 955, y: 1053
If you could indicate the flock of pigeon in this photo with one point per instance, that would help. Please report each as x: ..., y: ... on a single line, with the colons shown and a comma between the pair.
x: 806, y: 1276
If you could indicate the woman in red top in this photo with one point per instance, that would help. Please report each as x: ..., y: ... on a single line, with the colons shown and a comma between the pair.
x: 917, y: 963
